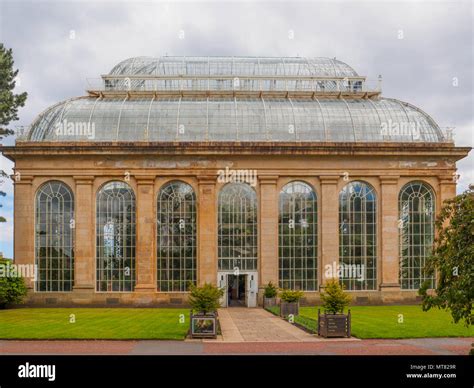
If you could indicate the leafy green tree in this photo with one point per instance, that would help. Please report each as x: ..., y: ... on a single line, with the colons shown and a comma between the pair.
x: 9, y: 101
x: 12, y: 288
x: 205, y: 299
x: 334, y: 299
x: 452, y: 259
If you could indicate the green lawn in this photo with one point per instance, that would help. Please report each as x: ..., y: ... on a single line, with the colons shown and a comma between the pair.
x: 93, y: 323
x: 383, y: 322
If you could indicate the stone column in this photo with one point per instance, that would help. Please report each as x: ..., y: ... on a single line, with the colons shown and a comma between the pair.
x: 23, y: 225
x: 268, y: 233
x: 84, y: 255
x: 389, y: 235
x: 207, y: 230
x: 145, y: 229
x: 329, y: 228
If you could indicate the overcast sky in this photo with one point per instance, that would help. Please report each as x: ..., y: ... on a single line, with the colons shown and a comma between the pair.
x: 423, y: 50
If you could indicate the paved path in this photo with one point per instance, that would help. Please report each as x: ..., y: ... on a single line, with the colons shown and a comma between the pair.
x: 241, y: 324
x: 419, y: 346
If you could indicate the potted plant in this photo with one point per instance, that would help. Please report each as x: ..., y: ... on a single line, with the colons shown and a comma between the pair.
x: 269, y: 295
x: 204, y: 301
x: 290, y: 302
x: 334, y: 323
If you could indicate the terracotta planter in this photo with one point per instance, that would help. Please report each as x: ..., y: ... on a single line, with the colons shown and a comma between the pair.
x: 334, y: 325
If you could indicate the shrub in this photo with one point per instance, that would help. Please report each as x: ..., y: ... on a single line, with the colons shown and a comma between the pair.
x: 334, y: 298
x: 12, y: 288
x: 205, y: 299
x: 271, y: 290
x: 291, y: 296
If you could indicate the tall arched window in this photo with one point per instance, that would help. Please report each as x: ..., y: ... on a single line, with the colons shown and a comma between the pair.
x: 115, y: 223
x: 417, y: 217
x: 358, y: 236
x: 54, y: 237
x: 298, y: 246
x: 237, y: 227
x: 176, y: 245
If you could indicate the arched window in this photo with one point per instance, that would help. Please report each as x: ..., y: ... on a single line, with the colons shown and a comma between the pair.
x: 358, y: 236
x: 237, y: 227
x: 298, y: 243
x: 115, y: 223
x: 176, y: 245
x: 417, y: 218
x: 54, y: 237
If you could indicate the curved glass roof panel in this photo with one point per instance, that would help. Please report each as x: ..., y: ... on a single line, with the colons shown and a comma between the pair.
x: 232, y: 73
x: 233, y: 66
x: 229, y: 119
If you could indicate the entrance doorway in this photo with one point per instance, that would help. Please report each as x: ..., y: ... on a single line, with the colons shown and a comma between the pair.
x: 236, y: 290
x: 240, y: 289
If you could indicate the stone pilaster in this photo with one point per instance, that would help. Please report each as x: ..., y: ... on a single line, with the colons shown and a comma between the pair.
x: 23, y: 226
x: 389, y: 236
x: 329, y: 229
x: 268, y: 230
x: 207, y: 230
x: 145, y: 229
x: 84, y: 255
x: 447, y: 190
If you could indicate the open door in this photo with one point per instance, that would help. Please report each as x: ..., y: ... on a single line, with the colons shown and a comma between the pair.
x: 222, y: 283
x: 252, y: 289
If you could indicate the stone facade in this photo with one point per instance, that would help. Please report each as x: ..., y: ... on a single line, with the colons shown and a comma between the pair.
x: 146, y: 166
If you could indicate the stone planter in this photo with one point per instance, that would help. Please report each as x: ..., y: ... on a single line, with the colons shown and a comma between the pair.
x: 334, y: 325
x: 269, y: 302
x: 203, y: 325
x: 287, y: 308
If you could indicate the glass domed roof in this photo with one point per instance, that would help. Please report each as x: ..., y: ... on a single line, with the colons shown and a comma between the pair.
x: 218, y: 119
x: 234, y: 66
x: 194, y: 99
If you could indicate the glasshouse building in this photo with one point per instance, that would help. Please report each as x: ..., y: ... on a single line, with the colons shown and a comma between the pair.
x: 236, y: 171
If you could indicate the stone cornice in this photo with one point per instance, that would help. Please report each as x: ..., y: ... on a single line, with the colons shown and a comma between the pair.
x: 234, y: 148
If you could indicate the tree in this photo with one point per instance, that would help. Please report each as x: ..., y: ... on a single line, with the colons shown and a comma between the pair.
x: 205, y: 299
x: 9, y: 101
x: 12, y: 286
x: 452, y: 259
x: 271, y: 291
x: 334, y: 299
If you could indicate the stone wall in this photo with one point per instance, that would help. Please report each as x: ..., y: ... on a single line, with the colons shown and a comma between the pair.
x: 85, y: 172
